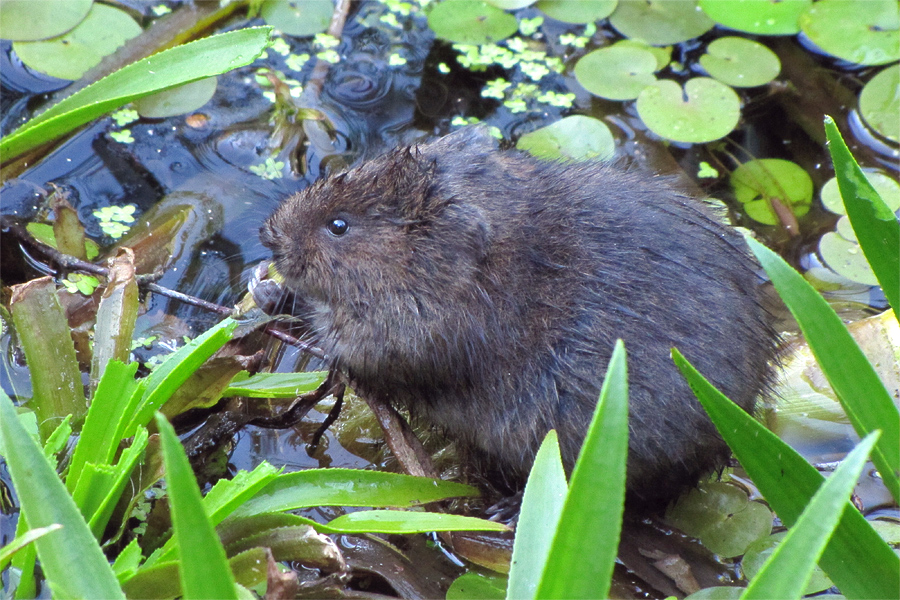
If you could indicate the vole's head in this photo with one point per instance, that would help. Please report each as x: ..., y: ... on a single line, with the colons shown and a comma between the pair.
x: 379, y: 242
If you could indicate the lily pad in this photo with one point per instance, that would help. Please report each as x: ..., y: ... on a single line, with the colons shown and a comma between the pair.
x: 722, y: 517
x: 865, y: 33
x: 27, y: 20
x: 68, y: 56
x: 178, y: 100
x: 572, y: 138
x: 471, y: 22
x: 617, y: 72
x: 704, y: 111
x: 660, y: 22
x: 299, y: 18
x: 583, y: 11
x: 887, y: 188
x: 663, y: 54
x: 879, y: 103
x: 763, y: 17
x: 760, y: 550
x: 740, y: 62
x: 846, y: 258
x: 758, y: 183
x: 510, y: 4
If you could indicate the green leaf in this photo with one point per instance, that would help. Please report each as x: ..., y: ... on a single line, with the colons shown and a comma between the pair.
x: 879, y: 103
x: 864, y: 398
x: 859, y: 562
x: 875, y: 225
x: 660, y: 22
x: 116, y: 315
x: 705, y: 110
x: 29, y: 20
x: 7, y: 551
x: 763, y: 17
x: 203, y: 567
x: 542, y: 504
x: 274, y: 385
x: 349, y: 487
x: 572, y: 138
x: 475, y: 586
x: 471, y: 22
x: 220, y: 53
x: 121, y: 475
x: 406, y: 521
x: 788, y: 570
x: 581, y: 560
x: 71, y: 558
x: 50, y: 352
x: 176, y: 369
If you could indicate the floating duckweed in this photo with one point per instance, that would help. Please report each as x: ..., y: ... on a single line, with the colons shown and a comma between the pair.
x: 443, y: 68
x: 123, y: 137
x: 570, y: 39
x: 496, y: 88
x: 271, y: 169
x: 325, y: 40
x: 160, y: 10
x: 80, y: 283
x: 707, y: 171
x: 279, y: 46
x: 114, y: 219
x: 296, y: 62
x: 390, y: 19
x: 564, y: 100
x: 329, y: 56
x: 125, y: 116
x: 529, y: 27
x: 396, y: 60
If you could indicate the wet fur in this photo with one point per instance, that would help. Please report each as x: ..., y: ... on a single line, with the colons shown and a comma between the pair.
x: 484, y: 290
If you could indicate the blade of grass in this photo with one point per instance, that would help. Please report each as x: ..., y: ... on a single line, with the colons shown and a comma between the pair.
x: 183, y: 64
x: 542, y: 503
x: 7, y: 551
x: 274, y: 385
x: 786, y: 573
x: 584, y: 550
x: 859, y: 562
x: 203, y: 567
x: 71, y: 558
x: 406, y: 521
x: 874, y: 224
x: 116, y: 315
x: 860, y: 391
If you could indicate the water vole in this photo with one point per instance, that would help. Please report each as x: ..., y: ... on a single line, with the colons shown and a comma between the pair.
x: 484, y: 289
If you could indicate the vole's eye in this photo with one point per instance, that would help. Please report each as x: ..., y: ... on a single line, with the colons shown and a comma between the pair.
x: 337, y: 226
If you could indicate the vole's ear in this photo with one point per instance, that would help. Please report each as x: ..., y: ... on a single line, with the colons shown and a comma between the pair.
x: 410, y: 179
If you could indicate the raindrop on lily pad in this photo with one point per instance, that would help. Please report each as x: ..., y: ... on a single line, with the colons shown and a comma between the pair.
x: 616, y: 72
x: 705, y: 110
x: 763, y: 17
x: 760, y: 550
x: 28, y: 20
x: 660, y: 22
x: 740, y: 62
x: 758, y: 183
x: 887, y: 188
x: 879, y: 103
x: 299, y: 18
x: 68, y: 56
x: 865, y: 33
x: 583, y: 11
x: 471, y: 22
x: 572, y: 138
x: 178, y: 100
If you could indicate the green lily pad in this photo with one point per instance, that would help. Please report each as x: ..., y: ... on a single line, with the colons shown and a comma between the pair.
x: 471, y: 22
x: 27, y: 20
x: 68, y: 56
x: 510, y: 4
x: 616, y: 72
x: 865, y: 33
x: 758, y: 182
x: 663, y: 54
x: 844, y: 228
x: 299, y: 18
x: 760, y: 550
x: 740, y: 62
x: 660, y: 22
x: 704, y: 111
x: 583, y: 11
x: 722, y: 517
x: 178, y: 100
x: 879, y: 103
x: 763, y: 17
x: 572, y: 138
x: 886, y: 187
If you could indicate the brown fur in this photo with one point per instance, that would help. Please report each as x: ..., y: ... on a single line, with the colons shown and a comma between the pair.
x: 484, y: 290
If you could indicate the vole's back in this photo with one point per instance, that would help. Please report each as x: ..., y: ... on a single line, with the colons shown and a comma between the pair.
x: 487, y: 289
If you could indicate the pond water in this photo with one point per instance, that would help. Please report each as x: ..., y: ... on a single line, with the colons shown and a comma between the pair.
x: 192, y: 179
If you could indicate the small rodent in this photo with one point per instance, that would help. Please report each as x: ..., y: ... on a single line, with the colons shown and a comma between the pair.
x: 484, y: 289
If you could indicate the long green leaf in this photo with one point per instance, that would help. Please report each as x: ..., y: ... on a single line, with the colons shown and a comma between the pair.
x: 786, y: 573
x: 71, y: 558
x: 874, y: 224
x: 406, y: 521
x: 176, y: 369
x: 854, y: 380
x: 20, y: 541
x: 274, y: 385
x: 203, y: 567
x: 542, y: 503
x: 349, y: 487
x: 121, y: 476
x: 584, y: 550
x: 190, y: 62
x: 857, y: 559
